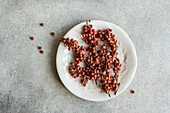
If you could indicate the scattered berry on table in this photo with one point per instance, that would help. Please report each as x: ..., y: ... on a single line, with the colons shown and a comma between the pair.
x: 41, y: 24
x: 39, y: 47
x: 41, y: 51
x: 132, y: 91
x: 32, y: 38
x: 52, y: 33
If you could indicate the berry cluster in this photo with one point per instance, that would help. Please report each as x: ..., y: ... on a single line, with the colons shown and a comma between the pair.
x: 100, y: 61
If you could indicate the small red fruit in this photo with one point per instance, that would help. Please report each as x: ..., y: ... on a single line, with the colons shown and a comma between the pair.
x: 84, y: 84
x: 32, y: 38
x: 41, y: 24
x: 91, y: 26
x: 39, y: 47
x: 41, y: 51
x: 52, y: 33
x: 89, y: 20
x: 133, y: 91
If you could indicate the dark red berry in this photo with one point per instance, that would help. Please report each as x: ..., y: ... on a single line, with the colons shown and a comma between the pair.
x: 41, y: 51
x: 133, y: 91
x: 91, y: 26
x: 32, y: 38
x: 41, y: 24
x: 52, y: 33
x: 39, y: 47
x: 89, y: 20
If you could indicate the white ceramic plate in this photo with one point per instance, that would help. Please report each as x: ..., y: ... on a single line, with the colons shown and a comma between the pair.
x: 91, y: 92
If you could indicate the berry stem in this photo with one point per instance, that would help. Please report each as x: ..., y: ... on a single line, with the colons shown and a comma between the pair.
x: 109, y: 95
x: 96, y: 81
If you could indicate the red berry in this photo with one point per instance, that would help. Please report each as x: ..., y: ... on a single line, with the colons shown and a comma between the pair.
x: 41, y: 24
x: 78, y: 75
x: 106, y: 91
x: 113, y: 85
x: 91, y: 26
x: 32, y: 38
x: 39, y: 47
x: 89, y: 20
x: 83, y: 35
x: 115, y: 88
x: 85, y: 27
x: 41, y: 51
x: 84, y: 84
x: 133, y: 91
x: 52, y: 33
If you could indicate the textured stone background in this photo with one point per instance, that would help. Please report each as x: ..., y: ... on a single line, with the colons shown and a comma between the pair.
x: 28, y: 80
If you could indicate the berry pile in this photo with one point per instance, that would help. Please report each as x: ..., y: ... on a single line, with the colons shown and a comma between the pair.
x: 101, y: 60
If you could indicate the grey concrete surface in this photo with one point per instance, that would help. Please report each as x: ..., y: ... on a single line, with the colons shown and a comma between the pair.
x: 28, y: 80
